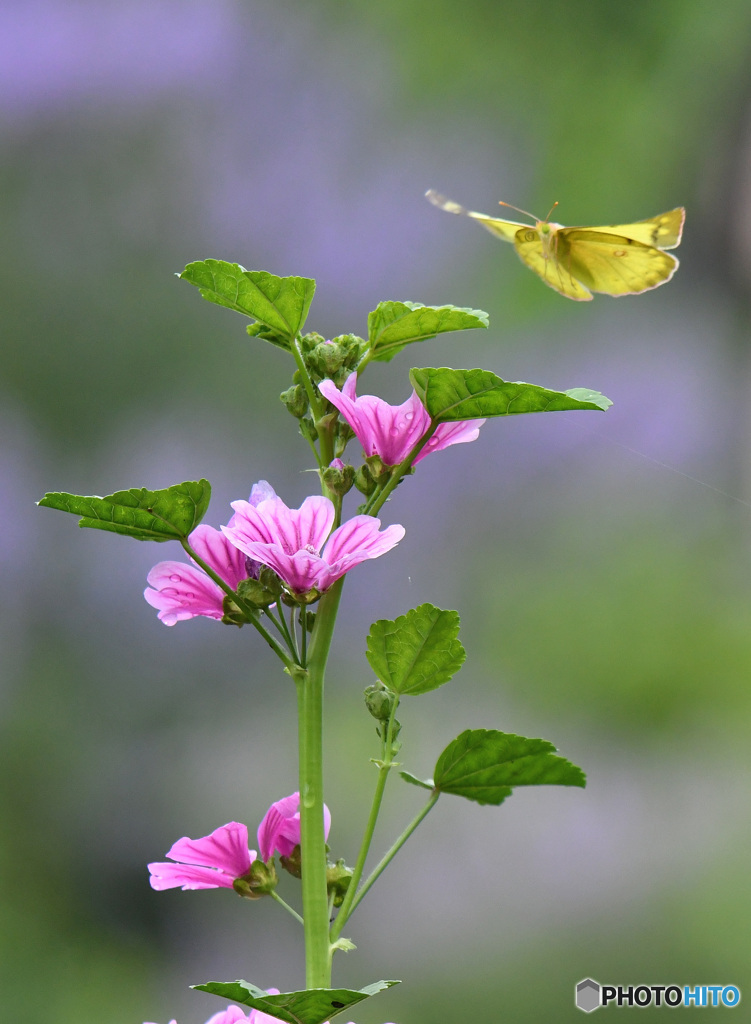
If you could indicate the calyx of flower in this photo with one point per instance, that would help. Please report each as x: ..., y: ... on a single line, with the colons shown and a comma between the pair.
x: 259, y: 881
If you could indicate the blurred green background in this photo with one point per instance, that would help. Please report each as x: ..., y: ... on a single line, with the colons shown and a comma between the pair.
x: 600, y: 562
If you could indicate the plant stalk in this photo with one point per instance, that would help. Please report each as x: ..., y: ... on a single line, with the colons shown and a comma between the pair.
x: 310, y: 682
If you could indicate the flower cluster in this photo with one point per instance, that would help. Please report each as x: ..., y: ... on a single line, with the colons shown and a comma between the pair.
x: 223, y: 857
x: 297, y: 544
x: 219, y: 859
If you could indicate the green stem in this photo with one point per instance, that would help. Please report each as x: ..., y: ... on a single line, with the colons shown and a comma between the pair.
x: 379, y: 499
x: 283, y: 903
x: 393, y: 850
x: 309, y: 684
x: 249, y: 610
x: 313, y: 398
x: 384, y: 768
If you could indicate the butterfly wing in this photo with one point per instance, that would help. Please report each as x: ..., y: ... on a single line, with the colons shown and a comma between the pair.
x: 663, y: 231
x: 615, y: 259
x: 551, y: 262
x: 611, y: 263
x: 505, y: 229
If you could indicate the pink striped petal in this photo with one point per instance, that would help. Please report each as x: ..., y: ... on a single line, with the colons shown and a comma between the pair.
x: 280, y: 829
x: 389, y: 431
x: 219, y: 553
x: 392, y: 431
x: 225, y: 848
x: 166, y: 875
x: 360, y: 538
x: 182, y: 591
x: 447, y: 434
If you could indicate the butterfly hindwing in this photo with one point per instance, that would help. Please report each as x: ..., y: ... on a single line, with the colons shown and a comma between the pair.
x: 553, y: 267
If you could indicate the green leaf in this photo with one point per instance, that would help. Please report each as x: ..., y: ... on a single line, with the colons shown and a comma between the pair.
x: 280, y: 303
x: 423, y: 783
x: 417, y: 652
x: 169, y: 514
x: 392, y: 325
x: 310, y: 1006
x: 484, y: 765
x: 451, y: 395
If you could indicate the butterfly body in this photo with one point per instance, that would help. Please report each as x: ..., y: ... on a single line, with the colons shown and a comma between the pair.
x: 614, y: 259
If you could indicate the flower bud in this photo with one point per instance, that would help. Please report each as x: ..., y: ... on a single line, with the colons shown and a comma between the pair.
x: 364, y: 481
x: 352, y: 349
x: 338, y: 877
x: 339, y: 479
x: 380, y: 702
x: 329, y: 357
x: 310, y: 340
x: 295, y: 400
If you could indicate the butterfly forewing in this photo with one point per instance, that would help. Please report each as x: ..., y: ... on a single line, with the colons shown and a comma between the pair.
x: 614, y: 264
x: 505, y: 229
x: 663, y: 231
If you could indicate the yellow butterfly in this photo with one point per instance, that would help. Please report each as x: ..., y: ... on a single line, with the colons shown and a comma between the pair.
x: 616, y: 259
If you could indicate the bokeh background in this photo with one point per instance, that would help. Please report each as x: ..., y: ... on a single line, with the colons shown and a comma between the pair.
x: 600, y: 562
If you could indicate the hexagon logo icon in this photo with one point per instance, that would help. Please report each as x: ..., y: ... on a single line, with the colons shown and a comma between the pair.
x: 587, y: 995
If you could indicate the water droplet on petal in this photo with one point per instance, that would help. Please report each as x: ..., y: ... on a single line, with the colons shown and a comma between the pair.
x: 176, y: 579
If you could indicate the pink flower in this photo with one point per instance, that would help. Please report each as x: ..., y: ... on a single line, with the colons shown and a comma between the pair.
x: 232, y: 1015
x: 392, y: 431
x: 280, y: 829
x: 183, y: 591
x: 296, y: 544
x: 212, y: 862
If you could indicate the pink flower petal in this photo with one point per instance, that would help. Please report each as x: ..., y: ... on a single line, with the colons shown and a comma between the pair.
x: 271, y: 522
x: 447, y: 434
x: 225, y: 848
x: 182, y: 591
x: 211, y: 862
x: 166, y: 875
x: 392, y: 431
x: 389, y: 431
x: 232, y: 1015
x: 358, y: 539
x: 279, y: 830
x: 219, y: 553
x: 289, y: 540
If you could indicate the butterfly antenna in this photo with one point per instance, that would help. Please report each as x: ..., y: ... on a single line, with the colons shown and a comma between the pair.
x: 551, y: 210
x: 519, y: 210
